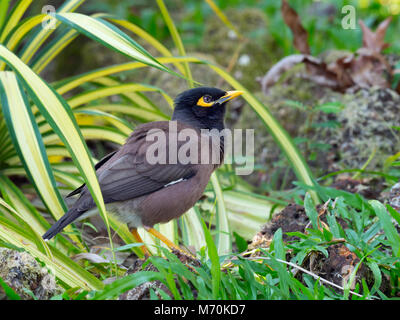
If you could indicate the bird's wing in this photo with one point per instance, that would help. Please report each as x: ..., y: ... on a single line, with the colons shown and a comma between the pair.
x: 97, y: 166
x: 132, y: 175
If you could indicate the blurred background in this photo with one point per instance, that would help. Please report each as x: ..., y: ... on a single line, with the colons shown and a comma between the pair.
x: 254, y: 39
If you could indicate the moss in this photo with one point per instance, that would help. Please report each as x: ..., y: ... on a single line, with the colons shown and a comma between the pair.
x: 366, y: 125
x: 22, y: 272
x: 268, y: 156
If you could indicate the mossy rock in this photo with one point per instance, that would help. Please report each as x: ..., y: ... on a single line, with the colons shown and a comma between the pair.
x: 366, y: 127
x: 268, y: 157
x: 23, y: 273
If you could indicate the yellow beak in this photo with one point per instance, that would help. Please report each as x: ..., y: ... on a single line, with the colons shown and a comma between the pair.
x: 228, y: 96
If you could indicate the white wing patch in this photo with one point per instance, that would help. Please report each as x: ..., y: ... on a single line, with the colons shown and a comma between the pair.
x: 173, y: 182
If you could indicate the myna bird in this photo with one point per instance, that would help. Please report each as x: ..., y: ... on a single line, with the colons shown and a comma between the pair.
x: 143, y: 193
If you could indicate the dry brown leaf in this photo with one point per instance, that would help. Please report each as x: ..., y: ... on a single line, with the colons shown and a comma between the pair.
x: 340, y: 68
x: 317, y: 71
x: 367, y: 67
x: 300, y: 35
x: 375, y: 40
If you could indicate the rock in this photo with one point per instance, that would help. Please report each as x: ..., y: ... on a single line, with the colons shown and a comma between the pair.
x: 366, y: 124
x: 394, y: 197
x: 21, y: 271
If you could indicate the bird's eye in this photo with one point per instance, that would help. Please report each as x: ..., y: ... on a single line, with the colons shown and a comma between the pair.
x: 207, y: 99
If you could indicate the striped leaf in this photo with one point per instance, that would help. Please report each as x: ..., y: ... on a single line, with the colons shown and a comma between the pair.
x: 148, y: 38
x: 37, y: 39
x: 61, y: 266
x: 59, y: 115
x: 36, y: 237
x: 28, y: 142
x: 176, y: 38
x: 50, y: 51
x: 14, y: 17
x: 110, y: 36
x: 3, y: 12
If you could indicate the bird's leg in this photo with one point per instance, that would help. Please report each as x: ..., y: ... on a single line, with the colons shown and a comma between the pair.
x: 168, y: 242
x: 137, y: 237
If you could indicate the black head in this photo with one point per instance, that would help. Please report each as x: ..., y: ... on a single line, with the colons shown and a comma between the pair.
x: 203, y: 107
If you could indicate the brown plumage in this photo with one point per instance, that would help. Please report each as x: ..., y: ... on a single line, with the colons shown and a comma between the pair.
x: 141, y: 193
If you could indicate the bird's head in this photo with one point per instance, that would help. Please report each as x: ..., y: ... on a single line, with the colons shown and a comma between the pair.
x: 203, y: 107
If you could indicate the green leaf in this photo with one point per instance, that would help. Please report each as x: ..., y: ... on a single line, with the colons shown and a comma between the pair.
x: 10, y: 293
x: 377, y: 275
x: 311, y: 212
x: 387, y: 225
x: 393, y: 213
x: 224, y: 240
x: 330, y: 107
x: 215, y: 266
x: 110, y: 36
x: 176, y: 38
x: 3, y: 12
x: 124, y: 284
x: 28, y: 142
x: 240, y: 242
x: 278, y: 245
x: 59, y: 115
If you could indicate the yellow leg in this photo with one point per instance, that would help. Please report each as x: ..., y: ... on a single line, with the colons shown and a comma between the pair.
x: 137, y: 237
x: 168, y: 242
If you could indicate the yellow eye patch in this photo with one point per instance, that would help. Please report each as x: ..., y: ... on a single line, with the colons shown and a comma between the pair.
x: 202, y: 103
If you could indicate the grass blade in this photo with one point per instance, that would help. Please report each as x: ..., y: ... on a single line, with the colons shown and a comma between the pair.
x: 28, y: 142
x: 176, y: 38
x: 387, y: 225
x: 59, y: 115
x: 15, y: 15
x: 111, y: 37
x: 37, y: 40
x: 224, y: 239
x: 10, y: 293
x: 61, y: 266
x: 214, y: 258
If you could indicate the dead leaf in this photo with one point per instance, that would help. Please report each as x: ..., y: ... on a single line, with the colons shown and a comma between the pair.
x: 375, y: 40
x: 300, y: 35
x: 367, y: 67
x: 317, y: 71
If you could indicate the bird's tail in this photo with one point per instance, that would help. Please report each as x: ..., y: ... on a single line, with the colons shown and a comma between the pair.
x: 65, y: 220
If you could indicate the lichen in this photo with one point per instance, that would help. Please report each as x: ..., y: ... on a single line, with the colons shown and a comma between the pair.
x: 366, y: 126
x: 23, y: 274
